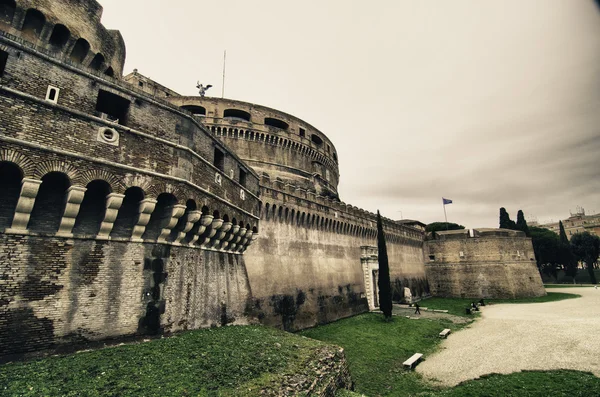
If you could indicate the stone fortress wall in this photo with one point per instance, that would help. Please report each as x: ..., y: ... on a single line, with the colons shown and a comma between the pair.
x: 127, y: 209
x: 115, y: 218
x: 482, y: 263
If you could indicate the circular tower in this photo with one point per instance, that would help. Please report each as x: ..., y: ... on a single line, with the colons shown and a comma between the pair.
x: 274, y: 143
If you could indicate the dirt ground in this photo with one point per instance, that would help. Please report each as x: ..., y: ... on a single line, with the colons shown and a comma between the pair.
x: 513, y: 337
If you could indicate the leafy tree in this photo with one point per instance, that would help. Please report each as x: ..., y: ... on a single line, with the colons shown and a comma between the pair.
x: 586, y: 248
x: 441, y: 226
x: 383, y: 282
x: 546, y: 246
x: 505, y: 221
x: 565, y: 255
x: 522, y: 223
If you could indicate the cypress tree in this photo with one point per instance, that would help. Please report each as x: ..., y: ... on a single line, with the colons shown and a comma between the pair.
x: 505, y: 221
x: 383, y: 283
x: 566, y: 257
x: 522, y: 223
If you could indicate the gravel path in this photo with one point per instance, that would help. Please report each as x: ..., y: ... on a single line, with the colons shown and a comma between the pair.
x: 513, y: 337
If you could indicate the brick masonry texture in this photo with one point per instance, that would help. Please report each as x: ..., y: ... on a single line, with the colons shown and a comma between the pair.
x: 123, y: 211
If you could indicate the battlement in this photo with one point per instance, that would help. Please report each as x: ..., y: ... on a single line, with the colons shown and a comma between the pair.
x: 473, y: 233
x: 70, y: 30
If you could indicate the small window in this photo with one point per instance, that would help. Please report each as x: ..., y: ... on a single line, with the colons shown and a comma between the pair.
x: 302, y: 131
x: 316, y: 139
x: 52, y: 94
x: 140, y: 84
x: 195, y: 110
x: 431, y: 258
x: 219, y: 159
x: 461, y: 254
x: 3, y: 60
x: 328, y: 149
x: 335, y: 156
x: 110, y: 72
x: 112, y: 107
x: 243, y: 177
x: 236, y: 114
x: 282, y: 125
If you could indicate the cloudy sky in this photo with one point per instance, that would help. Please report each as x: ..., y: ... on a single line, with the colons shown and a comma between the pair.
x: 488, y: 103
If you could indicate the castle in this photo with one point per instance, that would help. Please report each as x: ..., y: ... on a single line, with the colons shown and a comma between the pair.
x: 128, y: 209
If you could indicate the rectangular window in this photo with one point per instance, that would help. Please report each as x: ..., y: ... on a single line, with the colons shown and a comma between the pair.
x: 243, y: 176
x: 112, y: 107
x: 302, y: 131
x: 219, y: 159
x: 431, y: 258
x: 3, y: 59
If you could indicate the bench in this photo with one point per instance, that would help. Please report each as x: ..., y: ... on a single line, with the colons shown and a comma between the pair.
x: 444, y: 333
x: 411, y: 362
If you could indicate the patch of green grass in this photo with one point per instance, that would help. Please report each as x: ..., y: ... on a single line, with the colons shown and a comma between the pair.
x: 568, y: 285
x: 528, y: 384
x: 457, y: 306
x: 228, y: 361
x: 376, y: 349
x: 347, y: 393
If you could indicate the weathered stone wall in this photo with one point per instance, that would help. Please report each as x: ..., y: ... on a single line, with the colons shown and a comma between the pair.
x: 55, y: 290
x: 489, y: 263
x: 305, y: 267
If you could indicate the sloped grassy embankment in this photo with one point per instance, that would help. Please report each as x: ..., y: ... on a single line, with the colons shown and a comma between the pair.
x: 228, y: 361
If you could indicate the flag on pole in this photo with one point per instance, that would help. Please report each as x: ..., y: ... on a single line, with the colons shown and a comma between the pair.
x: 446, y: 201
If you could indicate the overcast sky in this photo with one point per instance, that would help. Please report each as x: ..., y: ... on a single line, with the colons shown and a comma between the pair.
x: 488, y: 103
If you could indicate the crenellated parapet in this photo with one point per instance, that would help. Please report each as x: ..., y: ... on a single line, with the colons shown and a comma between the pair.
x: 289, y: 204
x: 68, y: 29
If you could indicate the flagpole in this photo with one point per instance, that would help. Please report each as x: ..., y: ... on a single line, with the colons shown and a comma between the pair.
x: 445, y: 216
x: 224, y: 61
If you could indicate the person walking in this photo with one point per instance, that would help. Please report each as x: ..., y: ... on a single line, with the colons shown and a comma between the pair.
x: 417, y: 309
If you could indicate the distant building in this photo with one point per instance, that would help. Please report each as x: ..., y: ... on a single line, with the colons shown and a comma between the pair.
x: 578, y: 222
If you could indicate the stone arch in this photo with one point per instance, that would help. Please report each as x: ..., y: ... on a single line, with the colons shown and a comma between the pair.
x: 33, y: 24
x: 23, y: 162
x: 80, y: 50
x: 60, y: 36
x: 280, y: 214
x: 50, y: 203
x: 274, y: 212
x: 128, y: 214
x: 11, y: 176
x: 292, y: 216
x: 265, y: 212
x: 93, y: 208
x: 110, y: 71
x: 89, y: 175
x: 286, y: 215
x: 97, y: 62
x: 47, y: 167
x: 161, y: 215
x: 7, y: 11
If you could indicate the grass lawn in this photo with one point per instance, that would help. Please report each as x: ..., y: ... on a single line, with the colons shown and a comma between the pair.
x: 528, y: 383
x: 457, y: 306
x: 237, y: 361
x: 568, y: 285
x: 376, y: 350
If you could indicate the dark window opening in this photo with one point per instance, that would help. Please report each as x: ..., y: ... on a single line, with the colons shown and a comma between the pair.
x: 34, y: 23
x: 334, y: 156
x: 97, y: 62
x: 110, y: 72
x: 7, y: 11
x: 92, y: 209
x: 302, y: 131
x: 328, y: 149
x: 3, y: 60
x: 195, y: 110
x: 219, y: 160
x: 243, y: 177
x: 80, y: 50
x: 236, y: 114
x: 432, y: 258
x: 140, y: 84
x: 316, y: 139
x: 50, y: 203
x: 52, y: 94
x: 60, y: 36
x: 10, y: 180
x: 128, y: 214
x: 161, y: 216
x: 112, y: 107
x: 282, y: 125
